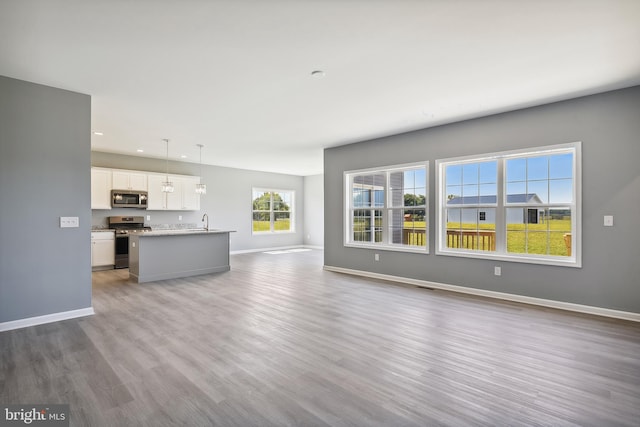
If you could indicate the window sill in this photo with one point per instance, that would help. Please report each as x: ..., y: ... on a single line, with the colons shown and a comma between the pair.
x: 271, y: 233
x: 392, y: 248
x: 543, y: 260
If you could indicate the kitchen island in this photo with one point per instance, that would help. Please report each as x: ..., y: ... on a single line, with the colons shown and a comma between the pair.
x: 170, y: 254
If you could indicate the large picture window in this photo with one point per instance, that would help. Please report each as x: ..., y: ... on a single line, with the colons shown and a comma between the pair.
x: 387, y: 208
x: 272, y: 211
x: 516, y: 206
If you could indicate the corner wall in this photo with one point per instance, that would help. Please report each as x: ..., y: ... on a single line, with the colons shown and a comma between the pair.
x: 44, y: 174
x: 314, y: 211
x: 609, y: 127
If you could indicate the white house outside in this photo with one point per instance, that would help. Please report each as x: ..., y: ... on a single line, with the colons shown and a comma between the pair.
x: 486, y: 214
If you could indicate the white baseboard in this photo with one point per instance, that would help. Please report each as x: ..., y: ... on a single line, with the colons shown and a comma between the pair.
x: 48, y: 318
x: 320, y: 248
x: 598, y: 311
x: 277, y: 248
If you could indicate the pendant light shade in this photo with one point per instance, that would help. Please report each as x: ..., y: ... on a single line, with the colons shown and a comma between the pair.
x: 201, y: 188
x: 167, y: 186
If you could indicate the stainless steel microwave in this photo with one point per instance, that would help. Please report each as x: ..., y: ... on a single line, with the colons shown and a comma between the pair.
x: 128, y: 199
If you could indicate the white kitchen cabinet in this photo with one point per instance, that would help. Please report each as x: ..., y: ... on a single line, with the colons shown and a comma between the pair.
x: 156, y: 199
x: 174, y: 199
x: 101, y: 188
x: 129, y: 180
x: 190, y: 199
x: 102, y: 248
x: 183, y: 198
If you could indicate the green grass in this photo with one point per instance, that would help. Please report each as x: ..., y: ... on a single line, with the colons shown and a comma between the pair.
x: 280, y: 225
x: 414, y: 238
x: 362, y: 225
x: 544, y: 239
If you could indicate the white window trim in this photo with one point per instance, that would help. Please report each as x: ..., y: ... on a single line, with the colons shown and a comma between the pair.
x: 347, y: 182
x: 271, y: 232
x: 575, y: 260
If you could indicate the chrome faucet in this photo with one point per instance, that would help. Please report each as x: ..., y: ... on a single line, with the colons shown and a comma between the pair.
x: 206, y: 226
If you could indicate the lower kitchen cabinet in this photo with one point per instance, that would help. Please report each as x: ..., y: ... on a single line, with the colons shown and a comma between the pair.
x: 102, y: 249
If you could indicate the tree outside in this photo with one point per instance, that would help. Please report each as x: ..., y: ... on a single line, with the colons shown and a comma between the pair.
x: 268, y: 206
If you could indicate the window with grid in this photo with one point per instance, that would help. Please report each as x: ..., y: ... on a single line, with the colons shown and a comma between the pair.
x: 516, y: 206
x: 272, y: 211
x: 471, y: 201
x: 387, y: 207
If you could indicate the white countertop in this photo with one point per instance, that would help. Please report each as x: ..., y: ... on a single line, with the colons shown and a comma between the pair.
x: 182, y: 232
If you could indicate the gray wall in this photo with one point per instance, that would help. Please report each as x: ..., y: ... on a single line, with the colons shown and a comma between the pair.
x: 44, y: 174
x: 608, y: 125
x: 227, y: 202
x: 314, y: 210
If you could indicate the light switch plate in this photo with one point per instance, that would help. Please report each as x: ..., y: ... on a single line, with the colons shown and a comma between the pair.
x: 608, y: 220
x: 69, y: 222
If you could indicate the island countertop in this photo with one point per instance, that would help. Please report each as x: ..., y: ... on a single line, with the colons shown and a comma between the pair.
x: 182, y: 232
x: 170, y: 254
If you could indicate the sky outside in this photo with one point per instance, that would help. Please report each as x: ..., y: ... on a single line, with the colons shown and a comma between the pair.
x: 550, y: 177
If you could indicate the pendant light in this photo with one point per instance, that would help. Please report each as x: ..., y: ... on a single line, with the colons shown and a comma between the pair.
x: 167, y: 186
x: 201, y: 188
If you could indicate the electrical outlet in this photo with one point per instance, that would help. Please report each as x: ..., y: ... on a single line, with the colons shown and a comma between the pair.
x: 148, y: 217
x: 497, y: 271
x: 608, y: 220
x: 179, y: 217
x: 376, y: 257
x: 69, y: 222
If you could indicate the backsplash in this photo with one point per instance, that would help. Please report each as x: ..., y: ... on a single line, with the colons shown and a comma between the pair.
x: 180, y: 226
x: 160, y: 220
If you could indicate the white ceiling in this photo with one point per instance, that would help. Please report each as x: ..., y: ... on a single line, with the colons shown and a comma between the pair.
x: 236, y: 75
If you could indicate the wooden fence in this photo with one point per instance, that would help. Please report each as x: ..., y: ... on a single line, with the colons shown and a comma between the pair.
x: 472, y: 239
x: 414, y: 237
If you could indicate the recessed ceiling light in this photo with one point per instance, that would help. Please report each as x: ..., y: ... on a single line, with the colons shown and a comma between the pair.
x: 183, y: 156
x: 98, y: 133
x: 318, y: 74
x: 140, y: 150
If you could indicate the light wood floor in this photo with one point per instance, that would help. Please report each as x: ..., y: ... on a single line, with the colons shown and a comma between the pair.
x: 277, y: 341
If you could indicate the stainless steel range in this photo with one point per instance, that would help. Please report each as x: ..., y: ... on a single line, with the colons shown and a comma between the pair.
x: 123, y: 226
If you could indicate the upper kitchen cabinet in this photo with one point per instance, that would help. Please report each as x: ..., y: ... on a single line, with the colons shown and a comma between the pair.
x: 101, y: 188
x: 190, y: 199
x: 156, y: 199
x: 183, y: 197
x: 129, y: 180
